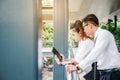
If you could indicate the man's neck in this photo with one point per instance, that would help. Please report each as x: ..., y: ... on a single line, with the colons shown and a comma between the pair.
x: 95, y: 29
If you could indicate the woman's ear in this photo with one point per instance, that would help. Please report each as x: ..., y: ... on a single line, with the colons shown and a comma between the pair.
x: 80, y: 31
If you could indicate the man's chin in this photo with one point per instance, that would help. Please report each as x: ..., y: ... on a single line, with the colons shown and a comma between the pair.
x: 88, y: 34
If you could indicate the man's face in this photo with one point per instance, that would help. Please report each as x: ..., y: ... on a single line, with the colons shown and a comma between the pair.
x: 87, y: 28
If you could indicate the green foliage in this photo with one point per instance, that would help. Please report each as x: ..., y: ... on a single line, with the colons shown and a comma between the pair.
x: 115, y: 31
x: 47, y: 34
x: 117, y: 37
x: 50, y: 59
x: 73, y: 43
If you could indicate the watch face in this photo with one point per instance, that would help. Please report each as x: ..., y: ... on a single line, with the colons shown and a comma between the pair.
x: 78, y: 68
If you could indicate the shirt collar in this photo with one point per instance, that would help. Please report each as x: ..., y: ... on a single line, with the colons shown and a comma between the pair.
x: 96, y: 33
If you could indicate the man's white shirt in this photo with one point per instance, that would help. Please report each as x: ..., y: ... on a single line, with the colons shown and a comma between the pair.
x: 104, y: 52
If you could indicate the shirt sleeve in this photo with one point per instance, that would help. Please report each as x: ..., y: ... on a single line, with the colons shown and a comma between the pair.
x: 84, y: 50
x: 100, y: 45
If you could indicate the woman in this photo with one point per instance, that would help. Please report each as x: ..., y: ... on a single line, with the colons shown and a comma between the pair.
x: 84, y: 47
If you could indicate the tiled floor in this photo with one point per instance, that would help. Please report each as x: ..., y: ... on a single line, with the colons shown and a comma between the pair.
x: 47, y: 74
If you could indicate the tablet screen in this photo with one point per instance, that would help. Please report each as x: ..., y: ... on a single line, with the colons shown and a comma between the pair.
x: 55, y: 52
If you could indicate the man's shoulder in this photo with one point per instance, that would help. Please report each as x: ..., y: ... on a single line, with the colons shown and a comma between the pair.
x: 105, y: 33
x: 89, y: 42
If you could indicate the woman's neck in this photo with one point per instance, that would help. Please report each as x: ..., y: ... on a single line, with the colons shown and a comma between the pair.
x: 83, y: 38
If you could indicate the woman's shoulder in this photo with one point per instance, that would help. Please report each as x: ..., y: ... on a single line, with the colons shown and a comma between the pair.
x: 88, y: 40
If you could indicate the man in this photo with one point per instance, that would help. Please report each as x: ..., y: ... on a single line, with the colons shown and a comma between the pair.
x: 105, y: 51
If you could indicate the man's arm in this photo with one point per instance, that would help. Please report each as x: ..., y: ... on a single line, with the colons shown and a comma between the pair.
x: 100, y: 45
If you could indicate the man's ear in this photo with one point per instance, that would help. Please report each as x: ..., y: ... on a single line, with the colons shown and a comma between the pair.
x: 91, y: 26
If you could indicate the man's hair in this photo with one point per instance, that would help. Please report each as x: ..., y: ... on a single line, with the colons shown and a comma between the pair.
x: 91, y: 18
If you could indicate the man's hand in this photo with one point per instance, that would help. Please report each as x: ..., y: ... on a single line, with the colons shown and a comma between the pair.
x: 70, y: 68
x: 82, y: 78
x: 73, y: 62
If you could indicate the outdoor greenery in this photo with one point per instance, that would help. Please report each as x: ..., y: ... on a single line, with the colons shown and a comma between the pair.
x: 114, y: 30
x: 50, y: 59
x: 73, y: 43
x: 47, y: 34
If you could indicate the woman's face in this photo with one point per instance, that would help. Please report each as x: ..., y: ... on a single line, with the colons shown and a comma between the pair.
x: 75, y: 35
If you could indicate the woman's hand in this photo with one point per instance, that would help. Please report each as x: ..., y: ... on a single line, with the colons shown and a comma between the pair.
x: 63, y: 57
x: 57, y: 60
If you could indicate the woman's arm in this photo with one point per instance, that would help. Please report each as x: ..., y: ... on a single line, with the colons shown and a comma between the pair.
x: 64, y: 61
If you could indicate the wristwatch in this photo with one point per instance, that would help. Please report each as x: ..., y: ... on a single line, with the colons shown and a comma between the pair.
x: 77, y: 67
x: 79, y: 70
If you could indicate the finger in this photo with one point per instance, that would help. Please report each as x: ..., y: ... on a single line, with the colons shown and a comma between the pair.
x: 67, y: 69
x: 62, y: 55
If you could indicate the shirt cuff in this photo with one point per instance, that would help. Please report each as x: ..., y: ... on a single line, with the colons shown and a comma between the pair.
x: 82, y: 65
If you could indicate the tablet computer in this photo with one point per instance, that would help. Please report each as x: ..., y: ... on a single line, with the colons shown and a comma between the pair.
x: 55, y: 52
